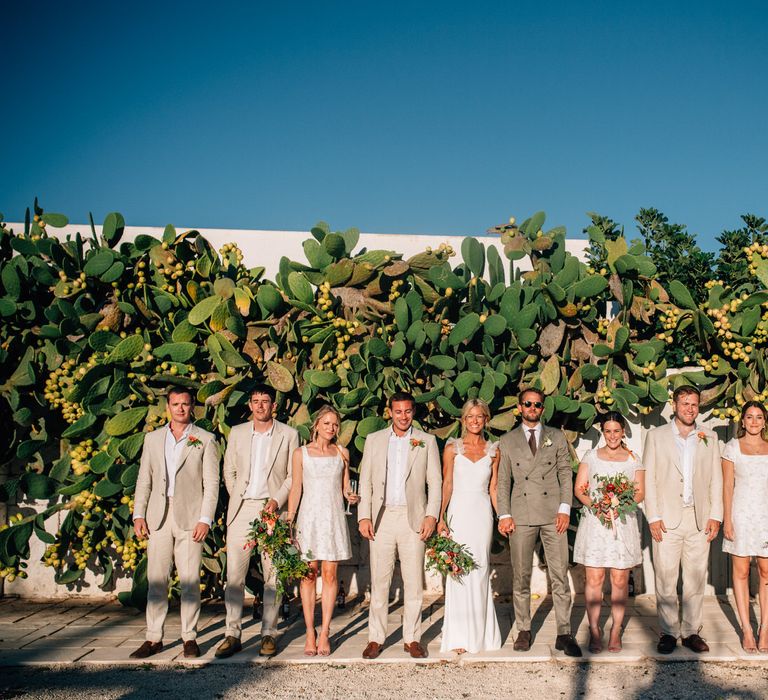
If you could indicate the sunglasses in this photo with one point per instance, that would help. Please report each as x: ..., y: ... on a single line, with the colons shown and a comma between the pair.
x: 528, y: 404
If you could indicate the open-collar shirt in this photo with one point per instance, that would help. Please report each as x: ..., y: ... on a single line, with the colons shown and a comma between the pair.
x: 397, y: 461
x: 260, y: 447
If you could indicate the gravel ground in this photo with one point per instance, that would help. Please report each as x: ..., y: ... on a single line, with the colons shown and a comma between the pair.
x: 403, y: 681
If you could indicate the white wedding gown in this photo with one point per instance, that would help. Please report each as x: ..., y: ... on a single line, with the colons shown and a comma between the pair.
x: 321, y: 525
x: 750, y: 503
x: 470, y: 617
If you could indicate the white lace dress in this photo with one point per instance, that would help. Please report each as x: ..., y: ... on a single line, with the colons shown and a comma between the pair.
x: 321, y: 524
x: 750, y: 503
x: 600, y: 546
x: 470, y: 617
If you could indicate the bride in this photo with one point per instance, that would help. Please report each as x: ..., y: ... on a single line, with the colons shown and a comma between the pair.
x: 470, y: 469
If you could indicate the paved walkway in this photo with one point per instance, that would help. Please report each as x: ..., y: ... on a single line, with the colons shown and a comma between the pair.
x: 106, y: 633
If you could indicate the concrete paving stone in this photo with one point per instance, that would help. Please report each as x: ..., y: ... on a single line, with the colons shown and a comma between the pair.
x: 43, y: 656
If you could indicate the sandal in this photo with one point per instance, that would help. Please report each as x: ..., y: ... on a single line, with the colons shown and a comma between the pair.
x: 311, y: 649
x: 595, y: 642
x: 323, y: 651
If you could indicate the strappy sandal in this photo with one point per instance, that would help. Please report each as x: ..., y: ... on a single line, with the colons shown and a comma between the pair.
x: 311, y: 651
x: 595, y: 642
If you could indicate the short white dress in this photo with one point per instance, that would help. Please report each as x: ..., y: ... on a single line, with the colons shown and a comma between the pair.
x: 750, y: 503
x: 600, y: 546
x: 321, y: 524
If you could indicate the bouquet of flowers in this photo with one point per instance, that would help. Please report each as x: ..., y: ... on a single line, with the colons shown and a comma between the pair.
x: 446, y: 556
x: 272, y: 535
x: 613, y: 499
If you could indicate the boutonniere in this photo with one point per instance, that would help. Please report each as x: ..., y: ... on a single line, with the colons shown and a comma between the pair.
x: 416, y: 443
x: 193, y: 441
x: 703, y: 437
x: 546, y: 442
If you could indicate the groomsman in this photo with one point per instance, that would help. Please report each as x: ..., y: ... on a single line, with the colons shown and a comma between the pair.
x: 684, y: 508
x: 400, y: 490
x: 257, y: 475
x: 177, y: 490
x: 535, y: 490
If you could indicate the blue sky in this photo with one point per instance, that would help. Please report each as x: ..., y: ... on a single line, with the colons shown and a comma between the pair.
x: 400, y: 117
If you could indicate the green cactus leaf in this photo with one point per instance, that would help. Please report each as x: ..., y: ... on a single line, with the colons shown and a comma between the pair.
x: 442, y: 362
x: 681, y: 295
x: 659, y: 392
x: 620, y: 339
x: 114, y: 273
x: 464, y: 329
x: 113, y: 228
x: 279, y: 377
x: 323, y: 379
x: 130, y: 447
x: 530, y: 226
x: 125, y: 421
x: 339, y: 273
x: 269, y: 297
x: 601, y: 350
x: 351, y: 236
x: 550, y: 375
x: 11, y: 281
x: 495, y: 325
x: 334, y: 244
x: 525, y: 318
x: 398, y: 350
x: 377, y: 347
x: 473, y: 253
x: 300, y: 288
x: 106, y: 488
x: 103, y: 340
x: 203, y: 309
x: 465, y: 380
x: 224, y: 287
x: 177, y: 352
x: 495, y: 267
x: 370, y: 425
x: 402, y: 315
x: 316, y: 255
x: 99, y: 263
x: 55, y: 220
x: 127, y: 349
x: 615, y: 249
x: 129, y: 476
x: 443, y: 278
x: 556, y: 292
x: 234, y: 359
x: 446, y: 405
x: 590, y: 286
x: 101, y: 461
x: 7, y: 307
x: 525, y: 337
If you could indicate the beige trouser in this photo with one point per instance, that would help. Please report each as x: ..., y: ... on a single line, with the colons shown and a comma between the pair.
x: 522, y: 543
x: 169, y: 545
x: 238, y: 560
x: 393, y: 538
x: 688, y: 545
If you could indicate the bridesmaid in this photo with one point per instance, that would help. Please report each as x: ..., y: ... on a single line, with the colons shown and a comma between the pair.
x: 470, y: 471
x: 600, y: 548
x: 321, y: 470
x: 745, y: 520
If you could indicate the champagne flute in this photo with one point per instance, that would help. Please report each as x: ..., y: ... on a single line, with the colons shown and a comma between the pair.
x: 352, y: 491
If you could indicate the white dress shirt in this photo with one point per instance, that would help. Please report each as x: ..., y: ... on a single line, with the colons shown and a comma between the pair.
x: 564, y: 508
x: 260, y: 446
x: 397, y: 461
x: 686, y: 448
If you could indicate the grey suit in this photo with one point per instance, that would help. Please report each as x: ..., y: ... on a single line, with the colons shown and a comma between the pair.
x: 531, y: 489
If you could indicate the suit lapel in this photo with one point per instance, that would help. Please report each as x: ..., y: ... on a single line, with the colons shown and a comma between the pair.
x: 187, y: 448
x: 529, y: 460
x: 674, y: 452
x: 412, y: 452
x: 274, y: 447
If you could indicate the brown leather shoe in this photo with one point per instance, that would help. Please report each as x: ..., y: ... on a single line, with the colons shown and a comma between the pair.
x: 566, y: 643
x: 147, y: 649
x: 191, y: 650
x: 415, y: 650
x: 523, y: 641
x: 372, y: 650
x: 695, y: 643
x: 230, y: 645
x: 268, y: 646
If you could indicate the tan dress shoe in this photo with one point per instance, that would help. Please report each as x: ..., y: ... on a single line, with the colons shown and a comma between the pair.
x: 147, y: 649
x: 268, y: 646
x: 230, y: 645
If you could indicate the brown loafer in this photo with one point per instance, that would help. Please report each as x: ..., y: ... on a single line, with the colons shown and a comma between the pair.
x: 523, y: 641
x: 372, y: 650
x: 268, y: 646
x: 191, y: 650
x: 147, y: 649
x: 695, y: 643
x: 230, y: 645
x: 415, y: 650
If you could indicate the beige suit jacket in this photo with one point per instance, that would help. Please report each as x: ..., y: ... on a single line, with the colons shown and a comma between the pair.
x: 196, y: 489
x: 423, y: 481
x: 664, y: 478
x: 237, y: 464
x: 530, y: 488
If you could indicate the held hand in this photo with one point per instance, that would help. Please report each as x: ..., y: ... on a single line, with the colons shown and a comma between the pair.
x: 506, y: 526
x: 728, y: 531
x: 713, y: 527
x: 427, y: 528
x: 140, y: 528
x: 656, y: 529
x: 271, y: 505
x: 352, y: 497
x: 366, y: 529
x: 561, y: 523
x: 200, y: 532
x: 443, y: 529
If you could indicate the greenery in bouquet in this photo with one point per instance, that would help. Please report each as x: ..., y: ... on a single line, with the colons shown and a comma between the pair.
x: 613, y: 499
x: 274, y: 536
x: 448, y: 557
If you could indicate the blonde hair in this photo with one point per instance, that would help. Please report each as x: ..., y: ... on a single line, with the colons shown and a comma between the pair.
x: 468, y: 406
x: 323, y: 410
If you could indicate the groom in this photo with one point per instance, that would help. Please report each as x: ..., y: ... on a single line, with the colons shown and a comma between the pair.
x: 534, y: 495
x: 400, y: 490
x: 684, y: 508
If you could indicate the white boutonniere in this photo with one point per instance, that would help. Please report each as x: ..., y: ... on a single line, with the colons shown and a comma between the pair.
x: 546, y: 442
